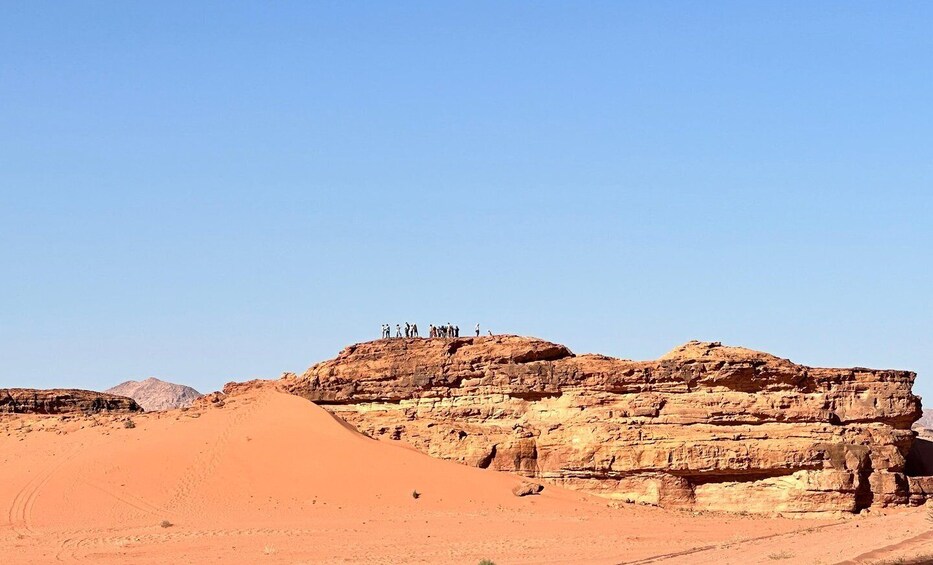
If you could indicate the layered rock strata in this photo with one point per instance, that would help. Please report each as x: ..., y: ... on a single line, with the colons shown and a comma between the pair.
x: 704, y: 427
x: 62, y: 401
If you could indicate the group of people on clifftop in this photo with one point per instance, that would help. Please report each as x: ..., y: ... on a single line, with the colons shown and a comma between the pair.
x: 411, y: 330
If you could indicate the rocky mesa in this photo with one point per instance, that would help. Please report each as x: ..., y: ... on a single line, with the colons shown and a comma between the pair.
x: 705, y: 427
x: 63, y: 401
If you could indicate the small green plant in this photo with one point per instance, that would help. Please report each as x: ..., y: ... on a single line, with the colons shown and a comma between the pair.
x: 780, y: 555
x: 415, y: 494
x: 129, y: 424
x: 486, y: 562
x: 166, y: 524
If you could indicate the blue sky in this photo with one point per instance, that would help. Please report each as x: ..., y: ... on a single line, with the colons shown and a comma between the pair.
x: 207, y: 192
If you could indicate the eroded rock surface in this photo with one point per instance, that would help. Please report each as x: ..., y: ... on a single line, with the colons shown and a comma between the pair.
x: 704, y: 427
x: 63, y: 401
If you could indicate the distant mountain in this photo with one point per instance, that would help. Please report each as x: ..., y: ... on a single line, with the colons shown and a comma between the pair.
x: 925, y: 424
x: 153, y: 394
x: 925, y: 421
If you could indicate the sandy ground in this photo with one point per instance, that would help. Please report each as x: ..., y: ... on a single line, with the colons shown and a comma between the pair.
x: 273, y: 478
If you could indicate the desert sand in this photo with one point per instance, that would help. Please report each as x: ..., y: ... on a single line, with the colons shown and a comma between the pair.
x: 271, y: 477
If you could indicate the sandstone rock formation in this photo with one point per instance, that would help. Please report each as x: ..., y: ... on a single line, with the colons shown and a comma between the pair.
x: 153, y: 394
x: 527, y: 488
x: 704, y: 427
x: 62, y: 401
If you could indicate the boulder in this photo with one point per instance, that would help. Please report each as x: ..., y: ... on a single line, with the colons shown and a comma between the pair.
x: 527, y: 488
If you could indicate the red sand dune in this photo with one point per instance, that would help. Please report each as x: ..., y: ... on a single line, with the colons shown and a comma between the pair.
x: 273, y: 478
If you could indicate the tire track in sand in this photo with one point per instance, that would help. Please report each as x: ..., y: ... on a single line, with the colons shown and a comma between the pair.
x: 130, y: 500
x: 916, y: 542
x: 19, y: 514
x: 70, y: 548
x: 208, y: 460
x: 196, y: 473
x: 700, y: 549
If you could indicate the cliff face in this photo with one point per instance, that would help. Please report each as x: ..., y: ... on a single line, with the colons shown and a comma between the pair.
x: 704, y: 427
x: 62, y: 401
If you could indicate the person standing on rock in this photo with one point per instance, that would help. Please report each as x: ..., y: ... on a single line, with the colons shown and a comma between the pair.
x: 414, y: 330
x: 456, y: 331
x: 477, y: 330
x: 407, y: 330
x: 398, y: 330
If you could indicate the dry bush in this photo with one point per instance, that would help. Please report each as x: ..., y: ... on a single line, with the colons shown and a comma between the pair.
x: 919, y: 559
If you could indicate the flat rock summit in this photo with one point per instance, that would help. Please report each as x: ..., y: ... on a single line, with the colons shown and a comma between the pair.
x: 705, y: 427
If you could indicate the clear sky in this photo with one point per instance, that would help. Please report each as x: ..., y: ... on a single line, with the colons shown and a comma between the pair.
x: 207, y: 192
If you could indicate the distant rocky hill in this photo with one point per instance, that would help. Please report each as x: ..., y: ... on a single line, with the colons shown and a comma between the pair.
x: 925, y: 424
x: 153, y: 394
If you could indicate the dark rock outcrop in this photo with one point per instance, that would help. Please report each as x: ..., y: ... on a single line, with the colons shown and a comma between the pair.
x: 63, y: 401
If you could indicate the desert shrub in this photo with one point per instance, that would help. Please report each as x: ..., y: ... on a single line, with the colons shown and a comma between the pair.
x: 166, y: 524
x: 486, y: 562
x: 919, y: 559
x: 415, y: 494
x: 129, y: 424
x: 780, y: 555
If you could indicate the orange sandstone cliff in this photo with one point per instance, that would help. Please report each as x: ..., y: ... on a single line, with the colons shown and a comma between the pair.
x: 705, y: 427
